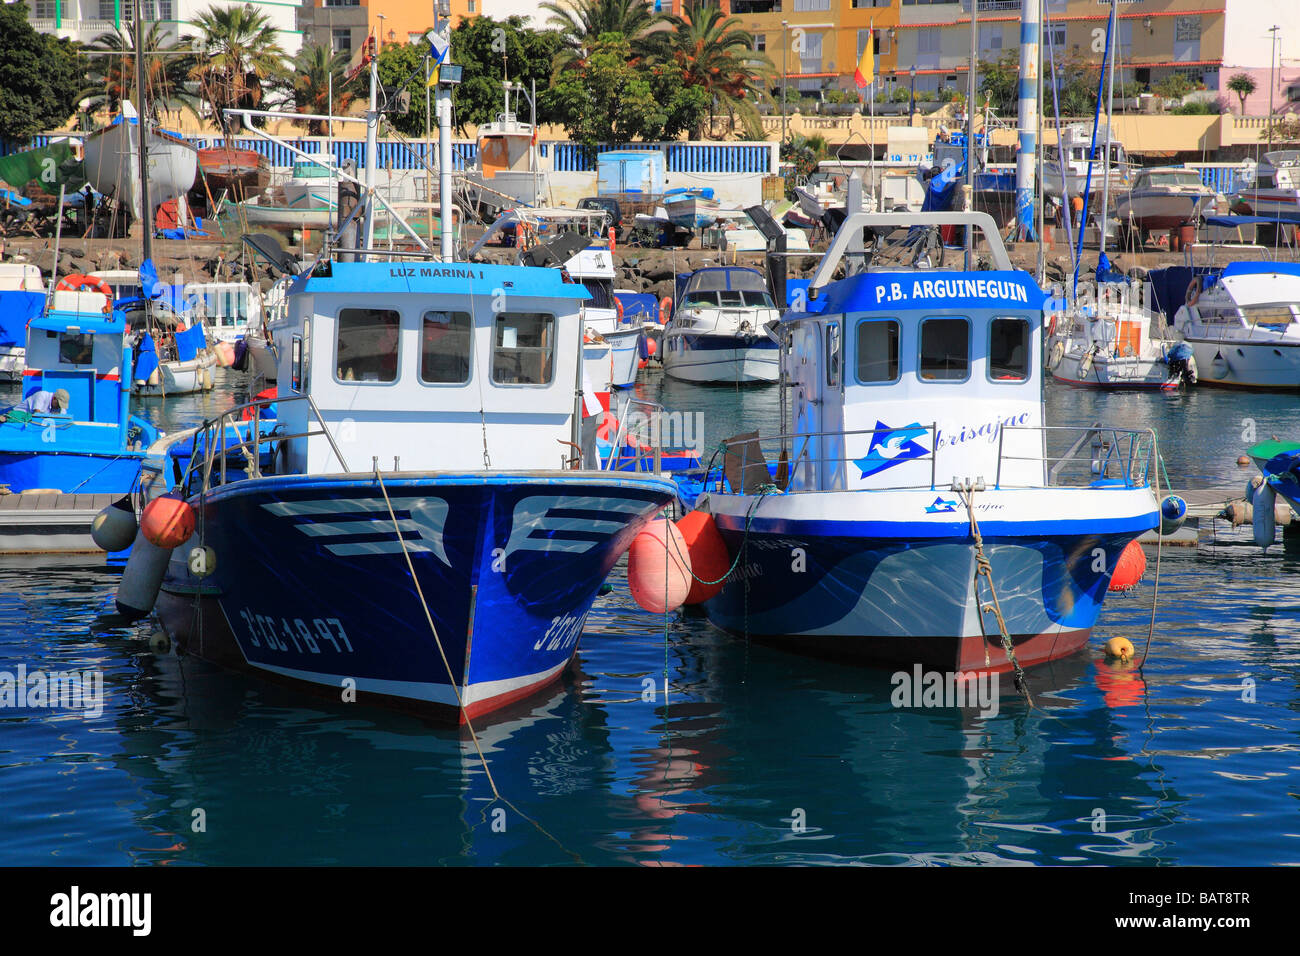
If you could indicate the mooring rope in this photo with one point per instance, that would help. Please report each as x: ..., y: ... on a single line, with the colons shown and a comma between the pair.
x: 982, y: 567
x: 451, y: 677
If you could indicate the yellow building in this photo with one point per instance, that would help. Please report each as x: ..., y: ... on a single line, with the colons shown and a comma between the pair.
x: 816, y: 44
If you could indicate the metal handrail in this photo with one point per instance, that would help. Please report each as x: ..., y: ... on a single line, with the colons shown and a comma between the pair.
x: 1122, y: 450
x: 214, y: 430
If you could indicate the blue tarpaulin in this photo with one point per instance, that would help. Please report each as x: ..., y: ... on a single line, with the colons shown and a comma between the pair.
x: 189, y: 341
x: 938, y: 195
x: 146, y: 359
x: 149, y: 282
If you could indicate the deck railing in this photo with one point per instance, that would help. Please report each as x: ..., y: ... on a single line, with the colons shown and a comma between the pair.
x: 1070, y: 456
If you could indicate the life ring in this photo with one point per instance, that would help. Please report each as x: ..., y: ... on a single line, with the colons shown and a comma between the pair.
x: 1057, y: 353
x: 1194, y: 292
x: 76, y: 282
x: 618, y: 307
x: 1051, y: 326
x: 665, y: 309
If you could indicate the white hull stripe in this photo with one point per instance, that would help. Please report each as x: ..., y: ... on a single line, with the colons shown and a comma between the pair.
x: 419, y: 690
x: 422, y: 531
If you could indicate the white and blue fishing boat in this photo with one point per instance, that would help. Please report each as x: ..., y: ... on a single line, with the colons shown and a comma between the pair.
x: 62, y: 466
x: 691, y: 207
x: 419, y: 531
x: 914, y: 451
x: 718, y: 330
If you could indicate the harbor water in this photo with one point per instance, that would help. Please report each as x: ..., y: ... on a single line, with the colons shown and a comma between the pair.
x: 671, y: 743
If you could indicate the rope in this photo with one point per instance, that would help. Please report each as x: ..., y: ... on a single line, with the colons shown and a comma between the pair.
x: 451, y: 677
x: 1160, y: 540
x: 982, y: 567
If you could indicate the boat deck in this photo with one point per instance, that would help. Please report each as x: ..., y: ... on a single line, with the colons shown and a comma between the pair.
x: 50, y: 501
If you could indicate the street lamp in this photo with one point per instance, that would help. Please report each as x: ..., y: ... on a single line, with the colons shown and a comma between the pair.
x: 785, y: 72
x: 379, y: 40
x: 912, y: 108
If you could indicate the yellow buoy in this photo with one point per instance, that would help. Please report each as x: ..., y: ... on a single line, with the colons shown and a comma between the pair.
x: 1120, y: 647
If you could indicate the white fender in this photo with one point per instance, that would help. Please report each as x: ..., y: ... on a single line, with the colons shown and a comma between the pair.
x: 142, y: 578
x: 1264, y: 520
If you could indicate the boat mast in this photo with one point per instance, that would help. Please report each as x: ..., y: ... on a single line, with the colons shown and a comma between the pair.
x: 372, y: 149
x: 443, y: 26
x: 142, y: 113
x: 1027, y: 120
x: 1105, y: 163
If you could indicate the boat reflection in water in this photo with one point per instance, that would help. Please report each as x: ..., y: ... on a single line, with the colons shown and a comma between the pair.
x: 756, y: 757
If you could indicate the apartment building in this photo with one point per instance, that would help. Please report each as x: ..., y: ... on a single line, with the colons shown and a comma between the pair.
x: 84, y: 20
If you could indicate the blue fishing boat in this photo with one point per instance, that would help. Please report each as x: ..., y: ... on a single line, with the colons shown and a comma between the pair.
x: 916, y: 485
x: 419, y: 530
x: 72, y: 441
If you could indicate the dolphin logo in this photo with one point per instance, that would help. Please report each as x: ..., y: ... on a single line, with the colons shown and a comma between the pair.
x: 890, y: 447
x: 941, y: 506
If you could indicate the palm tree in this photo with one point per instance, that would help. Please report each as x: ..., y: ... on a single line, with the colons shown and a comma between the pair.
x: 111, y: 76
x: 712, y: 50
x: 242, y: 59
x: 1243, y: 84
x: 581, y: 22
x: 313, y: 67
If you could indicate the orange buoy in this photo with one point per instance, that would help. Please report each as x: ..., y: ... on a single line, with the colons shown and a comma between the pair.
x: 658, y: 567
x: 651, y: 346
x: 708, y: 555
x: 225, y: 353
x: 167, y: 522
x: 1130, y: 567
x: 640, y: 363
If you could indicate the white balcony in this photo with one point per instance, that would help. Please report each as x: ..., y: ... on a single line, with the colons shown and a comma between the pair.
x: 82, y: 30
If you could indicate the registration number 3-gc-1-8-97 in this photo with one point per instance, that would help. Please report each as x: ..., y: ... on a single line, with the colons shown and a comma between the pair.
x: 312, y: 636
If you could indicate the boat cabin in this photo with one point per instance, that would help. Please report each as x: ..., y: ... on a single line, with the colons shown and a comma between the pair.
x: 910, y: 378
x: 80, y: 347
x: 453, y: 365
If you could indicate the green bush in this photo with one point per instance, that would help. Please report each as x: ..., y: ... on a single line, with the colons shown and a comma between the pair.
x: 1195, y: 108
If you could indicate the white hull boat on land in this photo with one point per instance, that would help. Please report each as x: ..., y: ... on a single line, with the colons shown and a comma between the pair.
x: 113, y: 165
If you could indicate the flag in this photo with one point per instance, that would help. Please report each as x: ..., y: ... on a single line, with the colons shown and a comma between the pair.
x: 146, y: 360
x: 439, y: 44
x: 865, y: 74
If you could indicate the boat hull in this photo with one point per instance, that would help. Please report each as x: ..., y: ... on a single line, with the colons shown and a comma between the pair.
x: 71, y: 472
x: 720, y: 358
x: 1162, y: 210
x: 508, y: 565
x: 113, y: 167
x: 872, y: 586
x: 179, y: 378
x: 1268, y: 364
x: 1111, y: 372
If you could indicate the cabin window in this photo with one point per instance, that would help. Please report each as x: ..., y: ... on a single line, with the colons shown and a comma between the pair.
x: 1009, y: 350
x: 367, y: 345
x: 76, y: 349
x: 833, y: 354
x: 877, y: 351
x: 945, y: 350
x: 523, y: 349
x: 445, y: 348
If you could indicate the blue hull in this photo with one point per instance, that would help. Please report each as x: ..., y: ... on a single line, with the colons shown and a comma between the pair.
x: 910, y: 599
x: 312, y: 586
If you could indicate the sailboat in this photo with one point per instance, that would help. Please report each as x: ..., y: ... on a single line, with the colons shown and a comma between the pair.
x: 112, y: 160
x: 1111, y: 341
